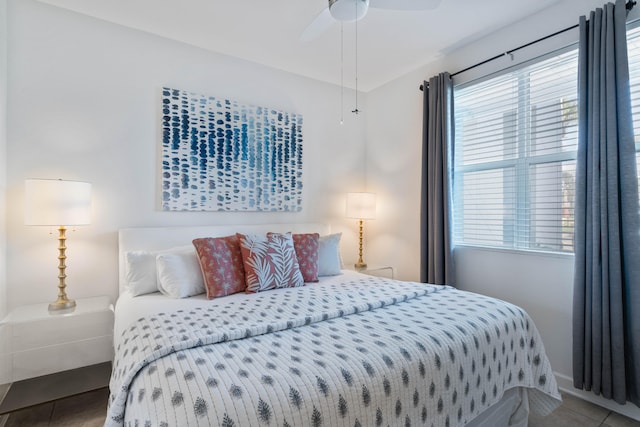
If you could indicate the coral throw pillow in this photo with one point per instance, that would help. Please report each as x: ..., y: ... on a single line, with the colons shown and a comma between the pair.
x: 269, y: 262
x: 221, y: 264
x: 306, y: 246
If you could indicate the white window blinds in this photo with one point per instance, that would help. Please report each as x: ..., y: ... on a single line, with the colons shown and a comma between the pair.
x: 515, y: 149
x: 633, y: 46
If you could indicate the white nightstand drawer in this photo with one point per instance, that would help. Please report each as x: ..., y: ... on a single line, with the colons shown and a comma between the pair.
x: 56, y: 358
x: 59, y: 330
x: 42, y: 343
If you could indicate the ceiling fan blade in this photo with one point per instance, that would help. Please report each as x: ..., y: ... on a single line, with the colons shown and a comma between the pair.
x: 405, y: 4
x: 319, y: 25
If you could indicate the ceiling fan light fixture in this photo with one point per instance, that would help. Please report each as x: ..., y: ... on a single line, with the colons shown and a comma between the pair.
x: 348, y: 10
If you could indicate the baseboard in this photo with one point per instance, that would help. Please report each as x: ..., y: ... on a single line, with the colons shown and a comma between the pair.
x: 565, y: 384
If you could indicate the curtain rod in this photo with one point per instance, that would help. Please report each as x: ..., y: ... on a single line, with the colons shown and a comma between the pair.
x: 629, y: 5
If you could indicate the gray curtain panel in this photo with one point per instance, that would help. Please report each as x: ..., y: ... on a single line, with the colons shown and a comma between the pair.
x: 606, y: 309
x: 437, y: 159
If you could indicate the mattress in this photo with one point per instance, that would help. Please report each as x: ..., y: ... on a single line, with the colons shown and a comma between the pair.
x: 351, y: 350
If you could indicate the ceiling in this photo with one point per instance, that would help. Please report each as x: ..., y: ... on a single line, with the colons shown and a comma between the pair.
x: 390, y: 43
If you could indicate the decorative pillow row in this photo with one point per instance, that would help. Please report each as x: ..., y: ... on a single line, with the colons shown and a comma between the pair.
x: 255, y: 263
x: 226, y: 265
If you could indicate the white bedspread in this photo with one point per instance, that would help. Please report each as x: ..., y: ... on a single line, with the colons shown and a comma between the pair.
x: 352, y: 350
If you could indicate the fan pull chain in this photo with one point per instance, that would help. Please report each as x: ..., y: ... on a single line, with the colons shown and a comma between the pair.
x: 356, y: 111
x: 341, y: 72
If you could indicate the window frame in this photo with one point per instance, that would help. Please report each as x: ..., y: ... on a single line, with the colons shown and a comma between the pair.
x: 521, y: 164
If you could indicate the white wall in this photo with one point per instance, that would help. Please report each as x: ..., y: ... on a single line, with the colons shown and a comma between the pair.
x: 394, y: 132
x: 4, y: 374
x: 541, y: 284
x: 3, y: 152
x: 85, y: 98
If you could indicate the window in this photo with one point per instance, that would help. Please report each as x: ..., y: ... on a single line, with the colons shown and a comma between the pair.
x: 633, y: 46
x: 515, y: 149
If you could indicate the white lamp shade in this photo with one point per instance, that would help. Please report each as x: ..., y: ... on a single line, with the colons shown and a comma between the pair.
x: 348, y: 10
x: 361, y: 205
x: 57, y: 202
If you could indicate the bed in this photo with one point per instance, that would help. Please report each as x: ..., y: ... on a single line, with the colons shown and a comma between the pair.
x: 348, y: 350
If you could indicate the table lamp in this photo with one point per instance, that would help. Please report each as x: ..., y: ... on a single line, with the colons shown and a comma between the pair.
x: 361, y: 206
x: 58, y: 203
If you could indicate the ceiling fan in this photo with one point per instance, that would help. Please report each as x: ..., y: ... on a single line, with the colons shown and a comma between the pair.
x: 354, y: 10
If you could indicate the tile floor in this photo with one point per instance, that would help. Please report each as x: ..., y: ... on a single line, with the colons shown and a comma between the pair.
x: 83, y: 410
x: 580, y: 413
x: 88, y: 410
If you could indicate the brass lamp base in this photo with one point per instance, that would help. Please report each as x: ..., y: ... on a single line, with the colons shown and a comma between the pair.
x: 360, y: 264
x: 62, y: 305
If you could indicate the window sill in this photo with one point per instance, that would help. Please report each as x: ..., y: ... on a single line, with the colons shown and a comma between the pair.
x: 525, y: 252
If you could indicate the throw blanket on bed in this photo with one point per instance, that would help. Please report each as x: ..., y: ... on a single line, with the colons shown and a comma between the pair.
x: 366, y: 352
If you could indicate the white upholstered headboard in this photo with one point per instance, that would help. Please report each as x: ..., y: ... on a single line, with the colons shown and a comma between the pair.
x: 159, y: 238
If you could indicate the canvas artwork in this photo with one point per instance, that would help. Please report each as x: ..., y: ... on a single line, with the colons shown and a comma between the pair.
x: 221, y: 155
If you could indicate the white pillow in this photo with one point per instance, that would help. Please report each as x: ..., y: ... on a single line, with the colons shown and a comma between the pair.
x: 179, y: 274
x: 140, y: 270
x: 329, y: 260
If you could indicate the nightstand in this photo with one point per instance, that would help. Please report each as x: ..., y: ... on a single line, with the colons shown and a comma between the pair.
x: 376, y: 270
x: 42, y: 343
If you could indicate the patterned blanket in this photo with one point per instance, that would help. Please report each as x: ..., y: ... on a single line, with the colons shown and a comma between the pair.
x: 365, y: 352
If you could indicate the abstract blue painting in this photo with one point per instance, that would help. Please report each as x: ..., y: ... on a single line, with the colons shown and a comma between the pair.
x: 220, y: 155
